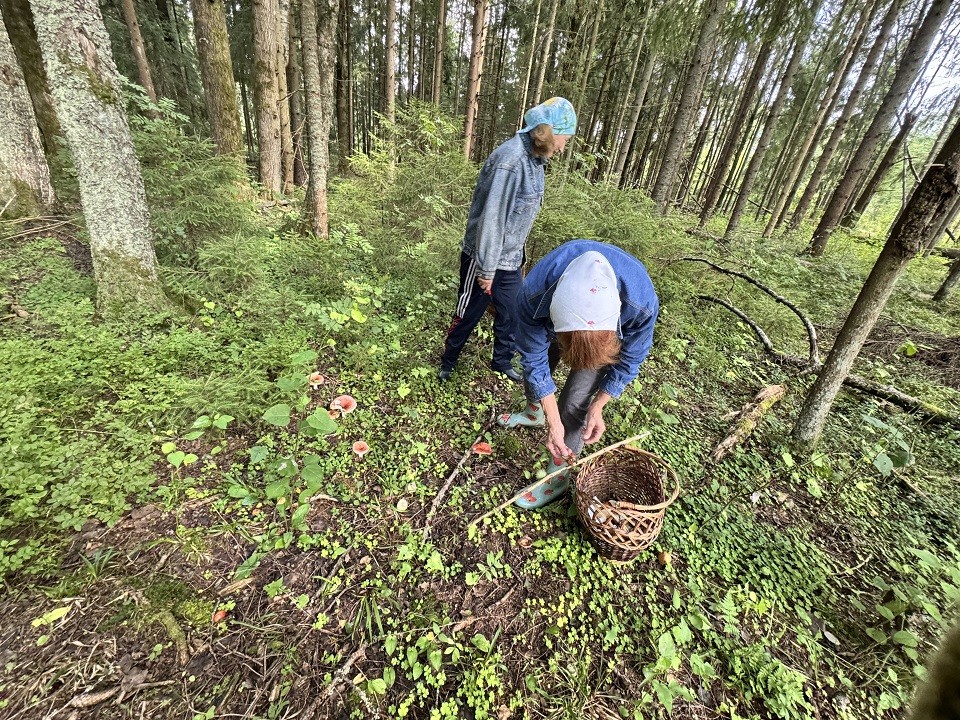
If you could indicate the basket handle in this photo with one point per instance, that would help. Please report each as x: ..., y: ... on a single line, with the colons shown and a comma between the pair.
x: 673, y: 476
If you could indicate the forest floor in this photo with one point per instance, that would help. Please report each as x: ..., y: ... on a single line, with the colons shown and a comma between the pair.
x: 182, y: 537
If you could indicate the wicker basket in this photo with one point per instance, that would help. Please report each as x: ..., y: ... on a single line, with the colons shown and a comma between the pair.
x: 621, y: 499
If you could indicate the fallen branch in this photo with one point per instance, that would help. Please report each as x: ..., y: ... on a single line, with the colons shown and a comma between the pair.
x: 748, y: 418
x: 549, y: 476
x: 438, y: 498
x: 884, y: 392
x: 811, y: 331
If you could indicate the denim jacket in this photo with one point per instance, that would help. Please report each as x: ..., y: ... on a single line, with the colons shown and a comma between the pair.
x: 639, y: 307
x: 505, y: 202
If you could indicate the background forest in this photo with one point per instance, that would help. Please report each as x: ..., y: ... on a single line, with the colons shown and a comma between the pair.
x: 219, y: 218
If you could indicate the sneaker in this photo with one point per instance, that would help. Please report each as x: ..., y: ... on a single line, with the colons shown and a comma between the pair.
x: 509, y: 372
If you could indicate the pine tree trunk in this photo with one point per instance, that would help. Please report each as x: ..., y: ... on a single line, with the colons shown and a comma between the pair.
x: 390, y: 80
x: 908, y: 69
x: 266, y: 94
x: 479, y: 37
x: 411, y: 44
x: 18, y: 19
x: 886, y: 162
x: 247, y: 119
x: 551, y: 28
x: 438, y: 52
x: 216, y: 72
x: 283, y: 97
x: 913, y: 229
x: 319, y: 53
x: 734, y: 138
x: 629, y: 136
x: 867, y: 73
x: 25, y: 187
x: 344, y: 136
x: 662, y: 193
x: 763, y: 144
x: 139, y: 50
x: 87, y: 91
x: 295, y: 90
x: 587, y: 65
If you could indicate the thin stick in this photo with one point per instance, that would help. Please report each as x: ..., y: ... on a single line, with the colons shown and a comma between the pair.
x: 566, y: 467
x: 435, y: 505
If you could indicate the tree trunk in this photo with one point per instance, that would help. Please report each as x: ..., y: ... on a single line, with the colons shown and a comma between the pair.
x: 87, y: 91
x: 266, y: 94
x: 283, y: 97
x: 525, y: 86
x: 411, y: 45
x: 907, y: 71
x: 544, y: 58
x: 629, y: 136
x: 438, y: 52
x: 867, y: 73
x: 295, y: 90
x: 913, y: 229
x: 139, y: 50
x: 344, y: 134
x: 733, y: 139
x: 886, y: 162
x: 479, y: 37
x: 216, y: 72
x: 319, y: 52
x: 390, y: 80
x: 25, y: 187
x: 662, y: 193
x: 949, y: 282
x: 587, y: 64
x: 18, y: 19
x: 763, y: 144
x: 247, y: 119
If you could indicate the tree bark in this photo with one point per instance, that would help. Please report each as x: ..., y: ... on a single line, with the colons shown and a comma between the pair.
x: 295, y: 91
x: 283, y: 97
x: 662, y: 192
x: 18, y: 19
x: 319, y: 53
x: 949, y: 282
x: 344, y: 132
x: 139, y: 49
x: 913, y: 229
x: 216, y: 73
x: 266, y: 93
x: 886, y: 162
x: 629, y: 136
x: 479, y: 37
x: 525, y: 86
x: 25, y: 187
x: 438, y: 52
x: 766, y: 136
x: 907, y: 71
x: 867, y: 73
x: 390, y: 80
x: 87, y: 91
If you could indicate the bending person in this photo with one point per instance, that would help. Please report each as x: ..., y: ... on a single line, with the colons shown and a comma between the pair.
x: 505, y: 202
x: 593, y: 306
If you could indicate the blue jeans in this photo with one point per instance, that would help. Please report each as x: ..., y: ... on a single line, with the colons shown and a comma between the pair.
x: 472, y: 302
x: 575, y: 398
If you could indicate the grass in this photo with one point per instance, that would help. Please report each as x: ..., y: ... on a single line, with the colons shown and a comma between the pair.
x: 174, y: 499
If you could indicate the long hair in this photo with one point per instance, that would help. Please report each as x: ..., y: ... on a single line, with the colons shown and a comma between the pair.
x: 543, y: 140
x: 589, y: 349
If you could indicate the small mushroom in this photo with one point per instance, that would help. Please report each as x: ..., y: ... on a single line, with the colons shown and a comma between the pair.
x: 344, y: 403
x: 482, y: 448
x: 220, y: 616
x: 361, y: 448
x: 316, y: 379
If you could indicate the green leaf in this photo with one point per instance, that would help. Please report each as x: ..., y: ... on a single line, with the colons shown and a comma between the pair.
x: 403, y: 390
x: 258, y: 453
x: 312, y: 475
x: 168, y: 447
x: 883, y: 463
x: 927, y: 557
x: 666, y: 646
x: 320, y: 420
x: 412, y: 655
x: 390, y: 644
x: 435, y: 658
x: 878, y: 636
x: 291, y: 382
x: 787, y: 459
x: 905, y: 637
x: 190, y: 459
x: 176, y: 458
x: 51, y: 617
x: 885, y: 612
x: 201, y: 422
x: 304, y: 356
x: 221, y: 421
x: 276, y: 489
x: 481, y: 643
x: 299, y: 517
x: 357, y: 315
x: 238, y: 491
x: 193, y: 435
x: 435, y: 562
x: 278, y: 415
x: 389, y: 676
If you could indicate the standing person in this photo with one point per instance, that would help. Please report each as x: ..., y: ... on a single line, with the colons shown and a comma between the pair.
x: 593, y: 306
x: 505, y: 202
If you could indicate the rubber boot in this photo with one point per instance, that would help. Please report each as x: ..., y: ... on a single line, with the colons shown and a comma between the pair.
x: 548, y: 492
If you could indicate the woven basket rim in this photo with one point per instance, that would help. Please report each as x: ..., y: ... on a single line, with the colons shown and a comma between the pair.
x: 656, y: 459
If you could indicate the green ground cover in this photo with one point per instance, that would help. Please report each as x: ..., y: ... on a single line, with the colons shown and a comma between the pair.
x: 178, y: 507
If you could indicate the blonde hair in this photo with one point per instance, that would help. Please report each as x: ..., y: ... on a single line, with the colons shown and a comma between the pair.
x: 543, y: 140
x: 589, y: 349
